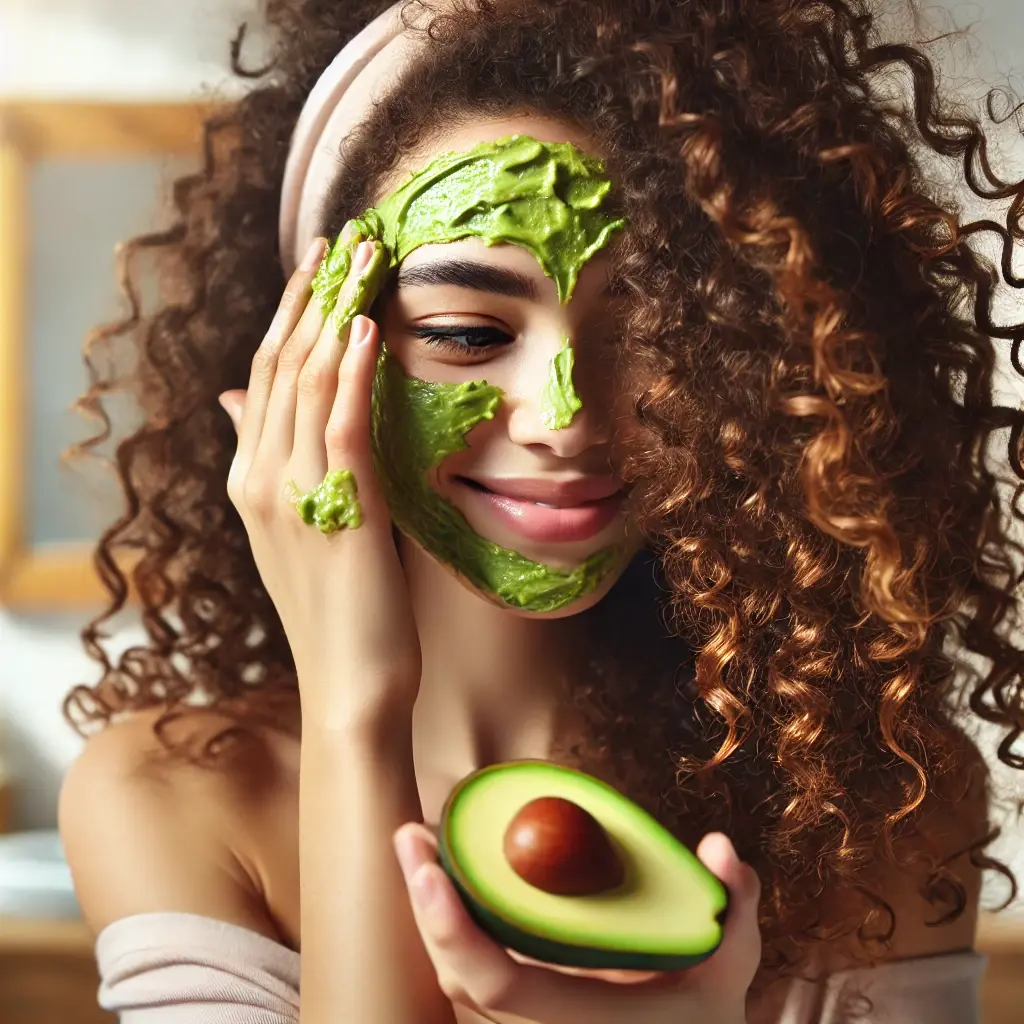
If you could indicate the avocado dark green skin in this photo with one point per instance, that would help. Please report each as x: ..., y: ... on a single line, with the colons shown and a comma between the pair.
x: 547, y: 950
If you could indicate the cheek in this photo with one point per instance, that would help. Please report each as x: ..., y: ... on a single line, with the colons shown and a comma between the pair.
x: 485, y: 449
x: 428, y: 425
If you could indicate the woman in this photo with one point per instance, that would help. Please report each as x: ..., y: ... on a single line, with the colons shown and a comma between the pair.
x: 742, y: 375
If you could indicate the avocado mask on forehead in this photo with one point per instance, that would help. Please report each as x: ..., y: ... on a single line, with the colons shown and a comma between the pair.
x: 548, y: 198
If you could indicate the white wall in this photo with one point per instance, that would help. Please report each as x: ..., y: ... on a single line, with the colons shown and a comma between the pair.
x: 144, y: 49
x: 157, y: 49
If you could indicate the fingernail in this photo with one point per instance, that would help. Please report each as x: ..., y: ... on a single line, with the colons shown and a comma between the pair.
x: 360, y: 331
x: 348, y: 232
x: 314, y: 254
x: 426, y: 888
x: 364, y: 251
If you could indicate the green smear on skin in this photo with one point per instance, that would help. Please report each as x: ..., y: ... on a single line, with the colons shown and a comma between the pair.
x: 330, y: 279
x: 416, y: 425
x: 546, y: 197
x: 560, y: 403
x: 333, y: 505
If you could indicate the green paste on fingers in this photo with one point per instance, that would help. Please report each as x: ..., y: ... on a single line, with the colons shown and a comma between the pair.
x: 333, y: 504
x: 548, y: 198
x: 339, y: 298
x: 416, y: 425
x: 560, y: 402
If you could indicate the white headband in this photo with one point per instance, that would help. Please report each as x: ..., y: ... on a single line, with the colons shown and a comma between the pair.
x: 358, y: 77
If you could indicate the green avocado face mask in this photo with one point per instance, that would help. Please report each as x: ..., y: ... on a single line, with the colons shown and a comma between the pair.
x: 548, y: 198
x: 560, y: 403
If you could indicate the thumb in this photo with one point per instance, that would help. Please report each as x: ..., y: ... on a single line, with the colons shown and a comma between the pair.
x: 233, y: 402
x: 719, y: 856
x: 742, y: 937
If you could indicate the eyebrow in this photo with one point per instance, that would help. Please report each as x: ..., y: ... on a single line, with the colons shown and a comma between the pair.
x: 481, y: 277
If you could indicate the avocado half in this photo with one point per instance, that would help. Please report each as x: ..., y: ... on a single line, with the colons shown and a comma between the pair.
x: 666, y: 914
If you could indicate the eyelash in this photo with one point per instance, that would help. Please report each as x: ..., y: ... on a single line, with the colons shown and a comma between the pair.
x: 444, y: 337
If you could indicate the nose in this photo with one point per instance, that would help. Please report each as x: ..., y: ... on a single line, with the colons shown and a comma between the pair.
x: 532, y: 419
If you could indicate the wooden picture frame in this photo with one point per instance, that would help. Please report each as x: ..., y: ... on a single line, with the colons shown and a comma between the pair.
x: 59, y: 575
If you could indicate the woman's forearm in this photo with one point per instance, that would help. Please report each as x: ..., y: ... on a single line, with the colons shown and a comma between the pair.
x: 362, y: 957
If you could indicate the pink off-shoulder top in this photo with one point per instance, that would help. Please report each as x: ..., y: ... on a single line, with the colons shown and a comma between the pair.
x: 173, y: 968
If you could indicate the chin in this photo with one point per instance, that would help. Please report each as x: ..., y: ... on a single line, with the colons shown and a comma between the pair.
x: 581, y: 604
x: 577, y: 607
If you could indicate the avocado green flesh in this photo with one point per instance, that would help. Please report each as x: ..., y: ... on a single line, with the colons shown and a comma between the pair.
x: 665, y: 916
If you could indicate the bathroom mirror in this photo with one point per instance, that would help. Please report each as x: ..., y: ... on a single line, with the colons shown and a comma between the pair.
x: 75, y: 179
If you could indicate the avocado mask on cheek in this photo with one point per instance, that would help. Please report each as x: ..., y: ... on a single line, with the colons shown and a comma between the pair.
x: 418, y: 423
x: 546, y: 197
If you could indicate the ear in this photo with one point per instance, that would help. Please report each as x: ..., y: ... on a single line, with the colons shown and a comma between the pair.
x: 233, y: 402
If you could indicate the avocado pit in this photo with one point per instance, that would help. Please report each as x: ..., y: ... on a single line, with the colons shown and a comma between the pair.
x: 555, y: 845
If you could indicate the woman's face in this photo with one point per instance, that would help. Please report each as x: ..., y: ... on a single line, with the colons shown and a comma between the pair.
x: 465, y: 311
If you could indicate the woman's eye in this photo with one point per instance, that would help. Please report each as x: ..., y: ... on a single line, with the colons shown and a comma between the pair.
x: 464, y: 340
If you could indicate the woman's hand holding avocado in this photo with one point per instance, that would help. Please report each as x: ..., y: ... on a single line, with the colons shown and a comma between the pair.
x: 341, y: 596
x: 475, y: 972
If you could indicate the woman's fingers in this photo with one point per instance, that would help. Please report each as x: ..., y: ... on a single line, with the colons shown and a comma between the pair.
x: 317, y: 387
x: 475, y: 971
x: 278, y: 436
x: 306, y: 405
x: 232, y: 402
x: 740, y: 950
x: 472, y: 969
x: 293, y: 307
x: 347, y: 434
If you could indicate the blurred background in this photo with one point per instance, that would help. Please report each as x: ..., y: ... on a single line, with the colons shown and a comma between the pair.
x: 102, y: 101
x: 99, y: 106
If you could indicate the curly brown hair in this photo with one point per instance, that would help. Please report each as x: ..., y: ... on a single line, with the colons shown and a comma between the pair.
x: 811, y: 338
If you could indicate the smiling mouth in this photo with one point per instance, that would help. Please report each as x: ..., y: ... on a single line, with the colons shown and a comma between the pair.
x: 574, y: 519
x: 576, y: 492
x: 484, y: 489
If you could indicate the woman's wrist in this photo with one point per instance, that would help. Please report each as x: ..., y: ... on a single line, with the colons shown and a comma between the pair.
x: 357, y: 785
x: 372, y: 714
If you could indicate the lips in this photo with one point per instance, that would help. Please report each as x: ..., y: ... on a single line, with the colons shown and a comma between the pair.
x: 549, y: 511
x: 560, y: 493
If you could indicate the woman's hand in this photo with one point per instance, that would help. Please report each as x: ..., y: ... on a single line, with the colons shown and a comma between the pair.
x: 341, y: 596
x: 475, y: 972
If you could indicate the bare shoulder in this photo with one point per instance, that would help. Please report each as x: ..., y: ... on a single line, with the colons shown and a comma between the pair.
x: 144, y: 832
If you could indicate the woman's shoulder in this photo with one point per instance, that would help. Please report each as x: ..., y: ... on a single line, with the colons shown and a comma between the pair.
x: 149, y: 827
